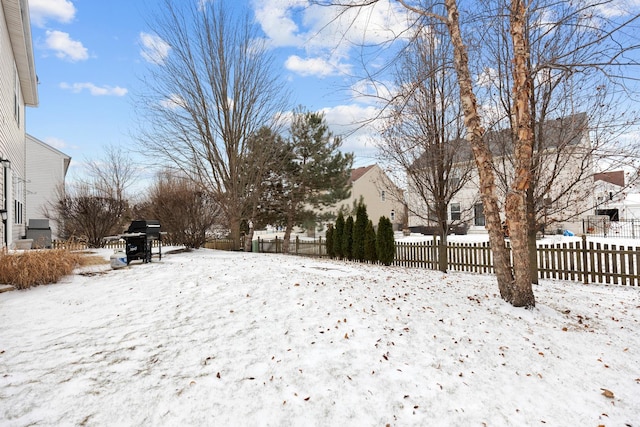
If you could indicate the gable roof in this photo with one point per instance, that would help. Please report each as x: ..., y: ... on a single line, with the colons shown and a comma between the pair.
x: 358, y: 173
x: 554, y: 133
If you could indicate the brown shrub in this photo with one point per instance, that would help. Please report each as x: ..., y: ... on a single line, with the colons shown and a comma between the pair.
x: 31, y: 268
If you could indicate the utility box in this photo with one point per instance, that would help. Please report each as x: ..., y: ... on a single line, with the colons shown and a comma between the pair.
x: 39, y: 231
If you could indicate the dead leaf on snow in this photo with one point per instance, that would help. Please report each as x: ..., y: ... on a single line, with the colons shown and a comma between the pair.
x: 607, y: 393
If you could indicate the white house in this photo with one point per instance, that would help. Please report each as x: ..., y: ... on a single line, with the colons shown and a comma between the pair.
x: 46, y: 171
x: 614, y: 198
x: 18, y: 88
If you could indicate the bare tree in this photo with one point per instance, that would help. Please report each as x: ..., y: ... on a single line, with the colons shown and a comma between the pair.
x: 513, y: 280
x: 185, y: 212
x: 575, y: 59
x: 113, y: 174
x: 215, y: 88
x: 97, y: 205
x: 423, y: 134
x: 85, y: 213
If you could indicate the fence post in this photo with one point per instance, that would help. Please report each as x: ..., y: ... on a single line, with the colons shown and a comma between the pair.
x: 297, y: 244
x: 435, y: 253
x: 584, y: 259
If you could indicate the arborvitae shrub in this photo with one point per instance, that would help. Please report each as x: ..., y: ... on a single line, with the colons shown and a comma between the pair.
x: 337, y: 237
x: 329, y: 242
x: 347, y: 239
x: 370, y: 253
x: 385, y: 242
x: 359, y: 228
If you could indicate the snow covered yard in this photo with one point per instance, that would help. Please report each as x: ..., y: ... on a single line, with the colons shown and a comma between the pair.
x: 222, y: 338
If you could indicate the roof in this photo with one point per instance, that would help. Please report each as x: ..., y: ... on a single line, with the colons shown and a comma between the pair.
x: 554, y: 133
x: 613, y: 177
x: 358, y: 173
x: 16, y: 14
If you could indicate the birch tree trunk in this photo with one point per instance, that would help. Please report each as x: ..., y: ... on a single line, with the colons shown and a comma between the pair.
x: 515, y: 206
x: 482, y: 155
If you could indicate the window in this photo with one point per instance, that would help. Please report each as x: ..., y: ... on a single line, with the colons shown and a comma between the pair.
x: 18, y: 206
x: 393, y: 215
x: 478, y: 213
x: 455, y: 211
x: 18, y: 212
x: 382, y: 196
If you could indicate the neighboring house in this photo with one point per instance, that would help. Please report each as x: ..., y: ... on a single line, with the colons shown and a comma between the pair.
x: 613, y: 198
x: 381, y: 196
x: 46, y: 171
x: 18, y: 88
x: 564, y: 195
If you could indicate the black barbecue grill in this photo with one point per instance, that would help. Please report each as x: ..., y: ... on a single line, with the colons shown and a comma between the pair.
x: 139, y: 240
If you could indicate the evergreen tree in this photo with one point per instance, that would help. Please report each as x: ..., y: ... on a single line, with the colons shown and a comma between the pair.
x: 370, y: 253
x: 359, y: 229
x: 319, y: 173
x: 337, y: 236
x: 331, y: 253
x: 385, y: 244
x: 347, y: 239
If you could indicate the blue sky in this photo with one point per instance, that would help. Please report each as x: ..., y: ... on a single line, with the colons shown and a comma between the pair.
x: 90, y: 56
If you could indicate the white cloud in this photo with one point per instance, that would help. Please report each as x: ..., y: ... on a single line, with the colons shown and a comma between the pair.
x: 173, y: 102
x: 58, y: 10
x: 298, y: 23
x: 154, y: 49
x: 65, y: 47
x: 94, y: 90
x: 314, y: 66
x: 356, y: 123
x: 276, y: 17
x: 374, y: 92
x: 617, y: 8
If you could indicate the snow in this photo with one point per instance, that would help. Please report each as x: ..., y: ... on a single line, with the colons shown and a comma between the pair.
x: 227, y: 338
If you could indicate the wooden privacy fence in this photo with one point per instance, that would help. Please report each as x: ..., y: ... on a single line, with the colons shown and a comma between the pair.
x: 583, y: 261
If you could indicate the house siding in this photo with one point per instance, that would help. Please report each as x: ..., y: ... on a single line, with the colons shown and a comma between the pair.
x: 12, y: 126
x: 46, y: 170
x: 571, y: 190
x: 370, y: 186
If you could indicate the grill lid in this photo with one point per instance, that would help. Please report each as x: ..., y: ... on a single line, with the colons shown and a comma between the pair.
x: 149, y: 226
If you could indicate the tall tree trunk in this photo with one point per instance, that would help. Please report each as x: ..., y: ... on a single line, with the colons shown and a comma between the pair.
x: 515, y: 206
x: 482, y: 155
x: 287, y: 233
x: 234, y: 226
x: 442, y: 247
x: 532, y: 231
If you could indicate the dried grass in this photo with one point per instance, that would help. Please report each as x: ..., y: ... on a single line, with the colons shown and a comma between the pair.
x: 88, y: 259
x: 38, y: 267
